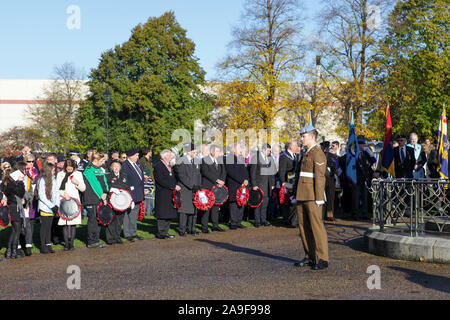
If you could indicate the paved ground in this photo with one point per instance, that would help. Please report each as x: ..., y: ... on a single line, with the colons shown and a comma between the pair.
x: 241, y: 264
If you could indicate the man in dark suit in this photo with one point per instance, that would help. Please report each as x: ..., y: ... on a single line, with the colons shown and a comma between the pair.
x: 213, y: 174
x: 404, y: 159
x: 286, y: 171
x: 237, y: 176
x: 262, y: 175
x: 189, y: 177
x: 420, y: 156
x: 135, y: 176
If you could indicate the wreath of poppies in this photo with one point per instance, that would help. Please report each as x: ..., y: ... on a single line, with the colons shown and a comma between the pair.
x: 204, y: 206
x: 122, y: 190
x: 239, y: 200
x: 112, y: 215
x: 1, y: 220
x: 79, y: 210
x: 175, y: 201
x: 228, y: 195
x: 262, y: 199
x: 284, y: 197
x: 141, y: 211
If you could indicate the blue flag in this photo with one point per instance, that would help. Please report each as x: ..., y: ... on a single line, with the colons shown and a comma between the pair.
x: 352, y: 153
x: 443, y: 147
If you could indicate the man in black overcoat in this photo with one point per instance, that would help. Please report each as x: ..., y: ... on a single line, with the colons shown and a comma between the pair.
x: 165, y: 183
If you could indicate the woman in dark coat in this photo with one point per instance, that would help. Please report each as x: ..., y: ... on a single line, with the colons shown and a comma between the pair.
x: 14, y: 191
x: 165, y: 182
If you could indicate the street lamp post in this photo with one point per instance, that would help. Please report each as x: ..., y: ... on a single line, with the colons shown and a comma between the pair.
x: 107, y: 100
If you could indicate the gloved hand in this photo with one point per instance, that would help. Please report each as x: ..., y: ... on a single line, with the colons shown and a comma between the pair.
x: 195, y: 188
x: 293, y: 200
x: 319, y: 203
x: 132, y: 205
x: 115, y: 190
x: 55, y: 209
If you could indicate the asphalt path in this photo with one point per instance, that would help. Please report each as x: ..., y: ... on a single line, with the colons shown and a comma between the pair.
x: 248, y: 264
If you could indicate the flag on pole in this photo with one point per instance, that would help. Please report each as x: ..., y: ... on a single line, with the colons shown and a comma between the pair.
x: 352, y: 153
x: 387, y: 155
x: 310, y: 118
x: 443, y: 146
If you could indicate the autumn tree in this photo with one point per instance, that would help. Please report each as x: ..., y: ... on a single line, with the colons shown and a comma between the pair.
x: 55, y: 118
x: 349, y: 31
x: 415, y: 66
x: 155, y: 81
x: 14, y: 139
x: 264, y: 56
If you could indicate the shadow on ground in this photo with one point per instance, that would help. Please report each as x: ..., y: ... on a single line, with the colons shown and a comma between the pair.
x: 426, y: 280
x: 231, y: 247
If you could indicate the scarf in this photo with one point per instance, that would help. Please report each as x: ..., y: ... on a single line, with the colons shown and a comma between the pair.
x: 417, y: 150
x: 63, y: 183
x: 92, y: 173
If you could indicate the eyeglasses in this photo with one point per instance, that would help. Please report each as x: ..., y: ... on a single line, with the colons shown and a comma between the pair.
x: 7, y: 167
x: 31, y: 161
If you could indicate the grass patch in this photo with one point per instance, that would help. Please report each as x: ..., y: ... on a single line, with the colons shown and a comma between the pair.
x: 146, y: 228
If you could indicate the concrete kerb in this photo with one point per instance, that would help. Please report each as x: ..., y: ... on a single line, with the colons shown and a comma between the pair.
x: 403, y: 247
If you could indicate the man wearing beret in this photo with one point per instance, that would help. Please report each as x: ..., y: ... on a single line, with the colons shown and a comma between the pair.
x: 310, y: 199
x: 135, y: 176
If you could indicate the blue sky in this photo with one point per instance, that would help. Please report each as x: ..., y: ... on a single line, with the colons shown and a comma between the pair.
x: 34, y: 36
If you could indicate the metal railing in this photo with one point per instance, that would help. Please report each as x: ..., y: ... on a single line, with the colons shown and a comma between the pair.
x: 415, y: 206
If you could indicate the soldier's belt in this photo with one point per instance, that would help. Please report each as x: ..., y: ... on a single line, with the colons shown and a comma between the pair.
x: 307, y: 174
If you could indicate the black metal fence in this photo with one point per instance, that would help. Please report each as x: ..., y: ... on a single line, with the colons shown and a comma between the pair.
x: 415, y: 206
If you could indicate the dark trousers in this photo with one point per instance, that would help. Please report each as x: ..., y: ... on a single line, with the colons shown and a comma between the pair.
x: 289, y: 212
x: 113, y: 230
x: 130, y: 221
x: 236, y: 214
x: 69, y: 233
x: 163, y: 227
x: 359, y: 201
x: 56, y: 230
x: 261, y: 212
x: 26, y: 237
x: 272, y: 210
x: 93, y: 226
x: 46, y: 231
x: 13, y: 241
x: 187, y: 221
x: 214, y: 214
x: 330, y: 192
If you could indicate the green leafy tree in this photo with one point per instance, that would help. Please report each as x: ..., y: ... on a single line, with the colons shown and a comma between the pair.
x: 155, y: 80
x: 415, y: 66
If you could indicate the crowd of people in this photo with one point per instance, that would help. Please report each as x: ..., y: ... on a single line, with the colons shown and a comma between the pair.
x: 33, y: 186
